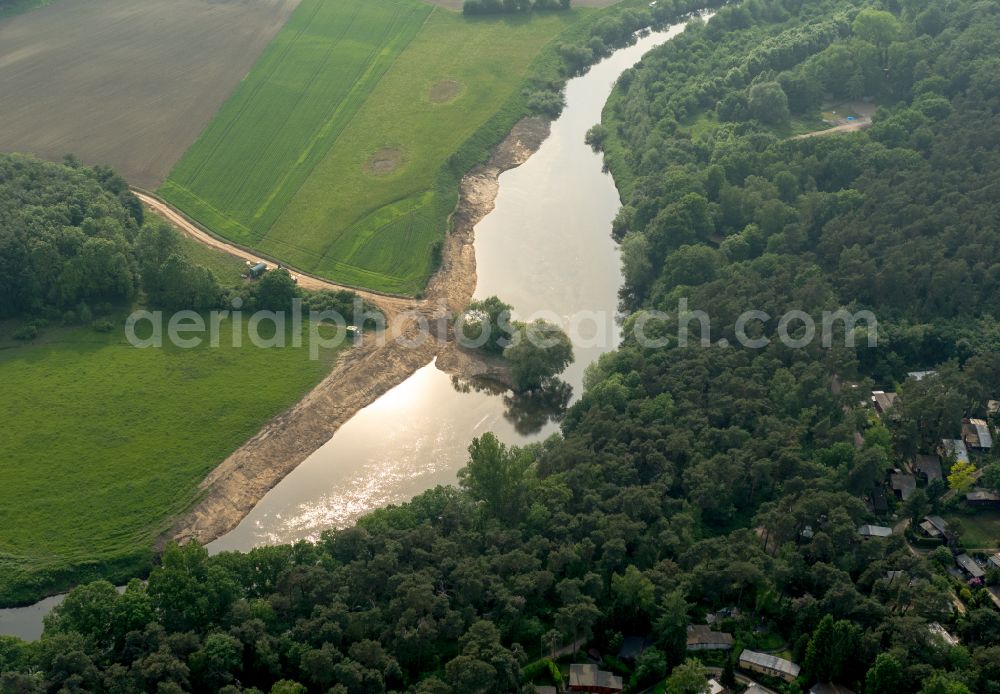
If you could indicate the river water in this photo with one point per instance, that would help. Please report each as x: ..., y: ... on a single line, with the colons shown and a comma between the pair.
x: 546, y: 249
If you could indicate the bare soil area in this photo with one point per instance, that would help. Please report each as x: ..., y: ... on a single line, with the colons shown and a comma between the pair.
x: 368, y: 370
x: 444, y: 91
x: 125, y: 83
x: 385, y: 161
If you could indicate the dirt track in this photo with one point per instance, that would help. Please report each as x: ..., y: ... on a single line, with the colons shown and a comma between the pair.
x: 366, y: 371
x: 845, y: 128
x: 390, y: 305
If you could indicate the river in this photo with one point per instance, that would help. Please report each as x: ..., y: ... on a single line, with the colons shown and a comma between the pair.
x: 546, y: 249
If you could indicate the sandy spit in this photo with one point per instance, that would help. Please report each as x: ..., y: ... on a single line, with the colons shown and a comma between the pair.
x: 366, y: 371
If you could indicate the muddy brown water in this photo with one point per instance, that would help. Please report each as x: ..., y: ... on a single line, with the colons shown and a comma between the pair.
x: 546, y: 249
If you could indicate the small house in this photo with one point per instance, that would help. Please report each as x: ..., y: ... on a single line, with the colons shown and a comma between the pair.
x: 257, y: 270
x: 587, y: 678
x: 770, y: 665
x: 934, y: 526
x: 955, y: 449
x: 976, y: 434
x: 882, y: 400
x: 994, y: 561
x: 970, y: 566
x: 902, y: 485
x: 714, y: 687
x: 701, y: 637
x: 983, y: 498
x: 540, y: 689
x: 874, y: 531
x: 928, y: 467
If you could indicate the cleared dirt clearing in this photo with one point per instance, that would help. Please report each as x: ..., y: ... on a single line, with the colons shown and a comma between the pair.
x: 130, y: 83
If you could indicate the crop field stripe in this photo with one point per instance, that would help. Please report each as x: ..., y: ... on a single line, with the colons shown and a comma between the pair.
x: 302, y: 95
x: 251, y: 97
x: 264, y: 153
x: 332, y: 128
x: 270, y: 175
x: 324, y: 129
x: 288, y: 168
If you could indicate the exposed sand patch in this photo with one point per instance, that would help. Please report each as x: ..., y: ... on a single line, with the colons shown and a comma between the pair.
x: 444, y: 91
x: 367, y: 371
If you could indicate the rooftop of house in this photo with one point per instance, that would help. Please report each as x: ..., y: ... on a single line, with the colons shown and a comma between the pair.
x: 976, y: 433
x: 874, y: 531
x: 903, y: 483
x: 771, y: 662
x: 882, y: 400
x: 929, y: 466
x: 938, y: 522
x: 587, y: 675
x: 702, y: 634
x: 955, y: 448
x: 942, y: 633
x: 982, y: 495
x: 970, y: 566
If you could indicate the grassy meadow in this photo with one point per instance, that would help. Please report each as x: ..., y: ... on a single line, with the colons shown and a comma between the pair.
x: 354, y: 178
x: 105, y: 443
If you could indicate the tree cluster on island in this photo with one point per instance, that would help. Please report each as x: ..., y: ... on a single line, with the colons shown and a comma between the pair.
x: 537, y: 352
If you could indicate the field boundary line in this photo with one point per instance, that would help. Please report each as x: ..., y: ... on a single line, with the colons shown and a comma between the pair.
x: 245, y: 250
x: 329, y: 123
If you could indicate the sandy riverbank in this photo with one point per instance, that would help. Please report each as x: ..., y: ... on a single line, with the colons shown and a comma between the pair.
x: 368, y: 370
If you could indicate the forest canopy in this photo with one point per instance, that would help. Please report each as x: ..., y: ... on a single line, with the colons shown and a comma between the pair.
x: 686, y: 481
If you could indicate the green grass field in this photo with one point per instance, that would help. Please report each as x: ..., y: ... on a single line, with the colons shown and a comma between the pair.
x: 333, y: 154
x: 228, y: 269
x: 980, y: 530
x: 126, y: 436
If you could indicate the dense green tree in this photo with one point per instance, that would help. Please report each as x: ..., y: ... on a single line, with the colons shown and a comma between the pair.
x: 768, y: 103
x: 487, y: 325
x: 538, y: 352
x: 275, y: 290
x: 687, y: 678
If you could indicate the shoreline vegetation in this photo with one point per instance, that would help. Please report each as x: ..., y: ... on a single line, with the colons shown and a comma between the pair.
x: 804, y: 510
x: 224, y: 496
x: 367, y: 372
